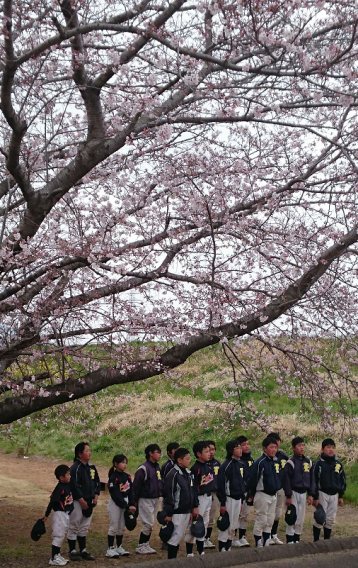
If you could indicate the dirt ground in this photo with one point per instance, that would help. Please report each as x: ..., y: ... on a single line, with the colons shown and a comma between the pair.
x: 25, y: 487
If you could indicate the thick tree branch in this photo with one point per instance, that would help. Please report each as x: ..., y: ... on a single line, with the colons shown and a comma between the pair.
x: 17, y: 407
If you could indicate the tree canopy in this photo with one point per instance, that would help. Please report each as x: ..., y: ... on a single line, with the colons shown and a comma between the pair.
x: 173, y: 174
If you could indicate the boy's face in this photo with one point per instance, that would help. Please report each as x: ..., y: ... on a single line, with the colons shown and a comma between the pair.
x: 299, y: 449
x: 329, y: 450
x: 184, y: 461
x: 212, y: 451
x: 271, y: 450
x: 245, y: 446
x: 155, y: 456
x: 65, y: 478
x: 237, y: 453
x: 171, y: 453
x: 204, y: 456
x: 85, y: 456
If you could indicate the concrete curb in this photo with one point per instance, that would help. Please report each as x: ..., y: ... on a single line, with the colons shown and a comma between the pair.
x: 243, y: 556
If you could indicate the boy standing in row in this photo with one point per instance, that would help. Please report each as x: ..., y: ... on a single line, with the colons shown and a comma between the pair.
x: 282, y: 459
x: 61, y: 503
x: 330, y: 481
x: 298, y: 479
x: 180, y: 499
x: 147, y: 487
x: 203, y: 478
x: 231, y: 491
x: 247, y: 460
x: 85, y: 487
x: 214, y: 511
x: 263, y: 483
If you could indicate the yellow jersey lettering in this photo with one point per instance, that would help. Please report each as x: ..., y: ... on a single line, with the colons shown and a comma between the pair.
x: 93, y: 473
x: 337, y: 469
x: 283, y: 463
x: 242, y: 471
x: 277, y: 467
x: 306, y: 467
x: 158, y: 474
x: 216, y: 469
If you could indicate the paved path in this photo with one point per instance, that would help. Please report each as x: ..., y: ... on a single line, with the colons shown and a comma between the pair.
x: 335, y: 553
x: 327, y: 560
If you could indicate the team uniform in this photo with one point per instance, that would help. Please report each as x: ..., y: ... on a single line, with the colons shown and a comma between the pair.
x: 121, y: 492
x: 231, y: 492
x: 179, y: 499
x: 263, y: 483
x: 214, y: 510
x: 85, y: 484
x: 298, y: 479
x: 282, y: 459
x: 247, y: 460
x: 203, y: 476
x: 330, y: 481
x: 165, y: 469
x: 147, y: 486
x: 61, y: 503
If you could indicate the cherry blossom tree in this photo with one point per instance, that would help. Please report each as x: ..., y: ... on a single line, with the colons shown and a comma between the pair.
x: 174, y: 174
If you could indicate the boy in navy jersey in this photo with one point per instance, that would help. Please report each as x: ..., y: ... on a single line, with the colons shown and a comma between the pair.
x: 247, y: 460
x: 169, y: 464
x: 180, y: 499
x: 147, y: 487
x: 85, y: 487
x: 61, y: 503
x: 203, y: 477
x: 214, y: 511
x: 282, y: 459
x: 263, y: 483
x: 298, y: 479
x: 231, y: 491
x: 330, y: 481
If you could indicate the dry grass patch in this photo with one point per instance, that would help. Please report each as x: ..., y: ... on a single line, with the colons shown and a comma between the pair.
x: 155, y: 414
x: 290, y: 425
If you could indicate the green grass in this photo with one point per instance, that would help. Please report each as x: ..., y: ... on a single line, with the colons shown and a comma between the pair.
x: 55, y: 432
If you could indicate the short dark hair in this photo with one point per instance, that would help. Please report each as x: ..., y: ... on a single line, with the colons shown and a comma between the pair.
x: 211, y: 443
x: 297, y: 440
x: 199, y: 446
x: 269, y: 440
x: 172, y: 446
x: 61, y: 471
x: 328, y: 442
x: 275, y: 435
x: 151, y: 449
x: 241, y: 439
x: 230, y: 446
x: 79, y: 448
x: 180, y: 453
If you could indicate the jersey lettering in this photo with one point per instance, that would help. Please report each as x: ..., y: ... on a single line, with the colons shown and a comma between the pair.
x: 337, y: 468
x: 242, y: 471
x: 277, y: 467
x: 68, y: 499
x: 306, y: 467
x: 283, y: 463
x: 216, y: 469
x: 93, y: 473
x: 158, y: 474
x: 124, y: 486
x: 205, y: 479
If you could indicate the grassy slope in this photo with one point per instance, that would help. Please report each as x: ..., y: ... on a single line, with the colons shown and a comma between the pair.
x: 180, y: 407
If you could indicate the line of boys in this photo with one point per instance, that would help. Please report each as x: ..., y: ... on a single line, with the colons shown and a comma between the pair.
x: 231, y: 487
